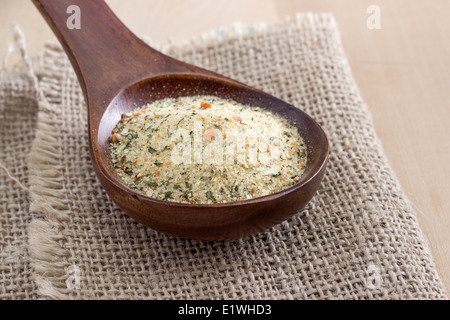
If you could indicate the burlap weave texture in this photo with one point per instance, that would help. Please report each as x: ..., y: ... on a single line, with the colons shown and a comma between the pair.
x: 358, y: 238
x: 18, y: 109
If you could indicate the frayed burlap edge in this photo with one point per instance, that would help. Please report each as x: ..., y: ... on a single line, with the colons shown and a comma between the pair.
x: 45, y: 182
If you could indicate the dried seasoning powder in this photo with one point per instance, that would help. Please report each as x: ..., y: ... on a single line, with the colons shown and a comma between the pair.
x: 205, y: 149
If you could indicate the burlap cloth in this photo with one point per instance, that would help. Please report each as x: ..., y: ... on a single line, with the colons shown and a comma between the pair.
x: 62, y: 237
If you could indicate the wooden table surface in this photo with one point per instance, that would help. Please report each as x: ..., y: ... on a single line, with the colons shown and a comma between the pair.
x: 402, y: 70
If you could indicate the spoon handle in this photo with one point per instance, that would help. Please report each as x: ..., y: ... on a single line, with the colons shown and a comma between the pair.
x: 105, y: 54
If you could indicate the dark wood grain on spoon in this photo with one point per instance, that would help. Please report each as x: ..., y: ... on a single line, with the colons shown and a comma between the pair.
x: 118, y: 72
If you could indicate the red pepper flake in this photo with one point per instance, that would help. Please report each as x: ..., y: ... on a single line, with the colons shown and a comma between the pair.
x: 254, y: 190
x: 168, y: 163
x: 114, y: 138
x: 205, y: 105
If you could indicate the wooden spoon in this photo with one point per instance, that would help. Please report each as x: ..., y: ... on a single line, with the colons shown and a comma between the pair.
x: 118, y: 72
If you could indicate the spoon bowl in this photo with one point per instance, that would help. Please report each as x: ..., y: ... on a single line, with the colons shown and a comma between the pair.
x: 130, y: 74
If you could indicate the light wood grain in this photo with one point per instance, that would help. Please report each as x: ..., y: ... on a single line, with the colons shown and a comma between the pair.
x: 402, y: 70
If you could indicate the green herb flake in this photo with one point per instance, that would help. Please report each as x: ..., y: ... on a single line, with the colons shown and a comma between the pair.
x: 302, y: 153
x: 209, y: 195
x: 276, y: 175
x: 167, y: 195
x: 152, y: 184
